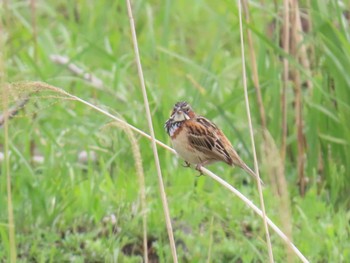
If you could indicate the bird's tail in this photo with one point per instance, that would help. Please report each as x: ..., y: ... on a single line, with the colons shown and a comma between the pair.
x: 235, y: 160
x: 250, y: 171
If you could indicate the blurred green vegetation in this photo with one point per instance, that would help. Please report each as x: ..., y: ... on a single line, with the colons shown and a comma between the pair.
x: 189, y: 51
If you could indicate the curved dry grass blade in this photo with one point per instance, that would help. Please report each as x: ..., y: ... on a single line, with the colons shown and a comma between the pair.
x: 256, y: 210
x: 256, y: 166
x: 153, y: 140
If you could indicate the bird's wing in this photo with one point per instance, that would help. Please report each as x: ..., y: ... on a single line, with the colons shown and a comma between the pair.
x: 206, y: 137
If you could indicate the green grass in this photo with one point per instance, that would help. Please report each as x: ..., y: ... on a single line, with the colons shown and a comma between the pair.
x: 60, y: 204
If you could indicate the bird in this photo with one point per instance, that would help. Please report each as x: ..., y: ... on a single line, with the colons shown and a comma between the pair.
x: 199, y: 141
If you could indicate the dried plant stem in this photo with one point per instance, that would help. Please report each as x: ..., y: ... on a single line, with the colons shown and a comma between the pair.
x: 279, y: 171
x: 11, y: 223
x: 299, y: 38
x: 256, y: 166
x: 88, y: 77
x: 310, y: 51
x: 49, y: 87
x: 254, y: 68
x: 154, y: 145
x: 36, y: 86
x: 6, y: 116
x: 285, y: 43
x: 141, y: 177
x: 256, y: 210
x: 298, y: 99
x: 279, y: 186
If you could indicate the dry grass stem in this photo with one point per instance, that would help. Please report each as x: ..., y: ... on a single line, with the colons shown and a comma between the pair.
x: 298, y: 98
x: 300, y: 40
x: 256, y: 166
x: 11, y: 222
x: 278, y: 171
x: 254, y: 68
x: 5, y: 88
x: 275, y: 167
x: 153, y: 140
x: 141, y: 177
x: 256, y: 210
x: 285, y: 81
x: 88, y: 77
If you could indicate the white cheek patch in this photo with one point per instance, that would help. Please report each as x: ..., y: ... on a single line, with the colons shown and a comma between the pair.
x: 178, y: 117
x: 181, y: 116
x: 173, y: 128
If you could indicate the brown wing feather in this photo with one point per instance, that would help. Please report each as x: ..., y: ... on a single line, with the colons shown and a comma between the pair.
x: 206, y: 137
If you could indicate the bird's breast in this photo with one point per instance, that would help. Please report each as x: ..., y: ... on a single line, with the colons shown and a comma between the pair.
x: 184, y: 148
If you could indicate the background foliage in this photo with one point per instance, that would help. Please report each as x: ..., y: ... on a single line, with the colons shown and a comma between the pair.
x: 68, y: 208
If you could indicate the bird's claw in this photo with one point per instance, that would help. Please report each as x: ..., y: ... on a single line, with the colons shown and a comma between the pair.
x: 199, y: 169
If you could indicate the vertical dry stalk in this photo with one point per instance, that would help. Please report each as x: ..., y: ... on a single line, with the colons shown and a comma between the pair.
x: 279, y: 171
x: 254, y: 69
x: 275, y: 167
x: 285, y: 43
x: 256, y: 166
x: 303, y: 56
x: 153, y: 140
x: 11, y: 222
x: 298, y: 97
x: 141, y: 177
x: 311, y: 48
x: 4, y: 95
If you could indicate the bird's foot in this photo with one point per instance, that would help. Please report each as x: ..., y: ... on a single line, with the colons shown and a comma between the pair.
x: 199, y: 169
x: 186, y: 164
